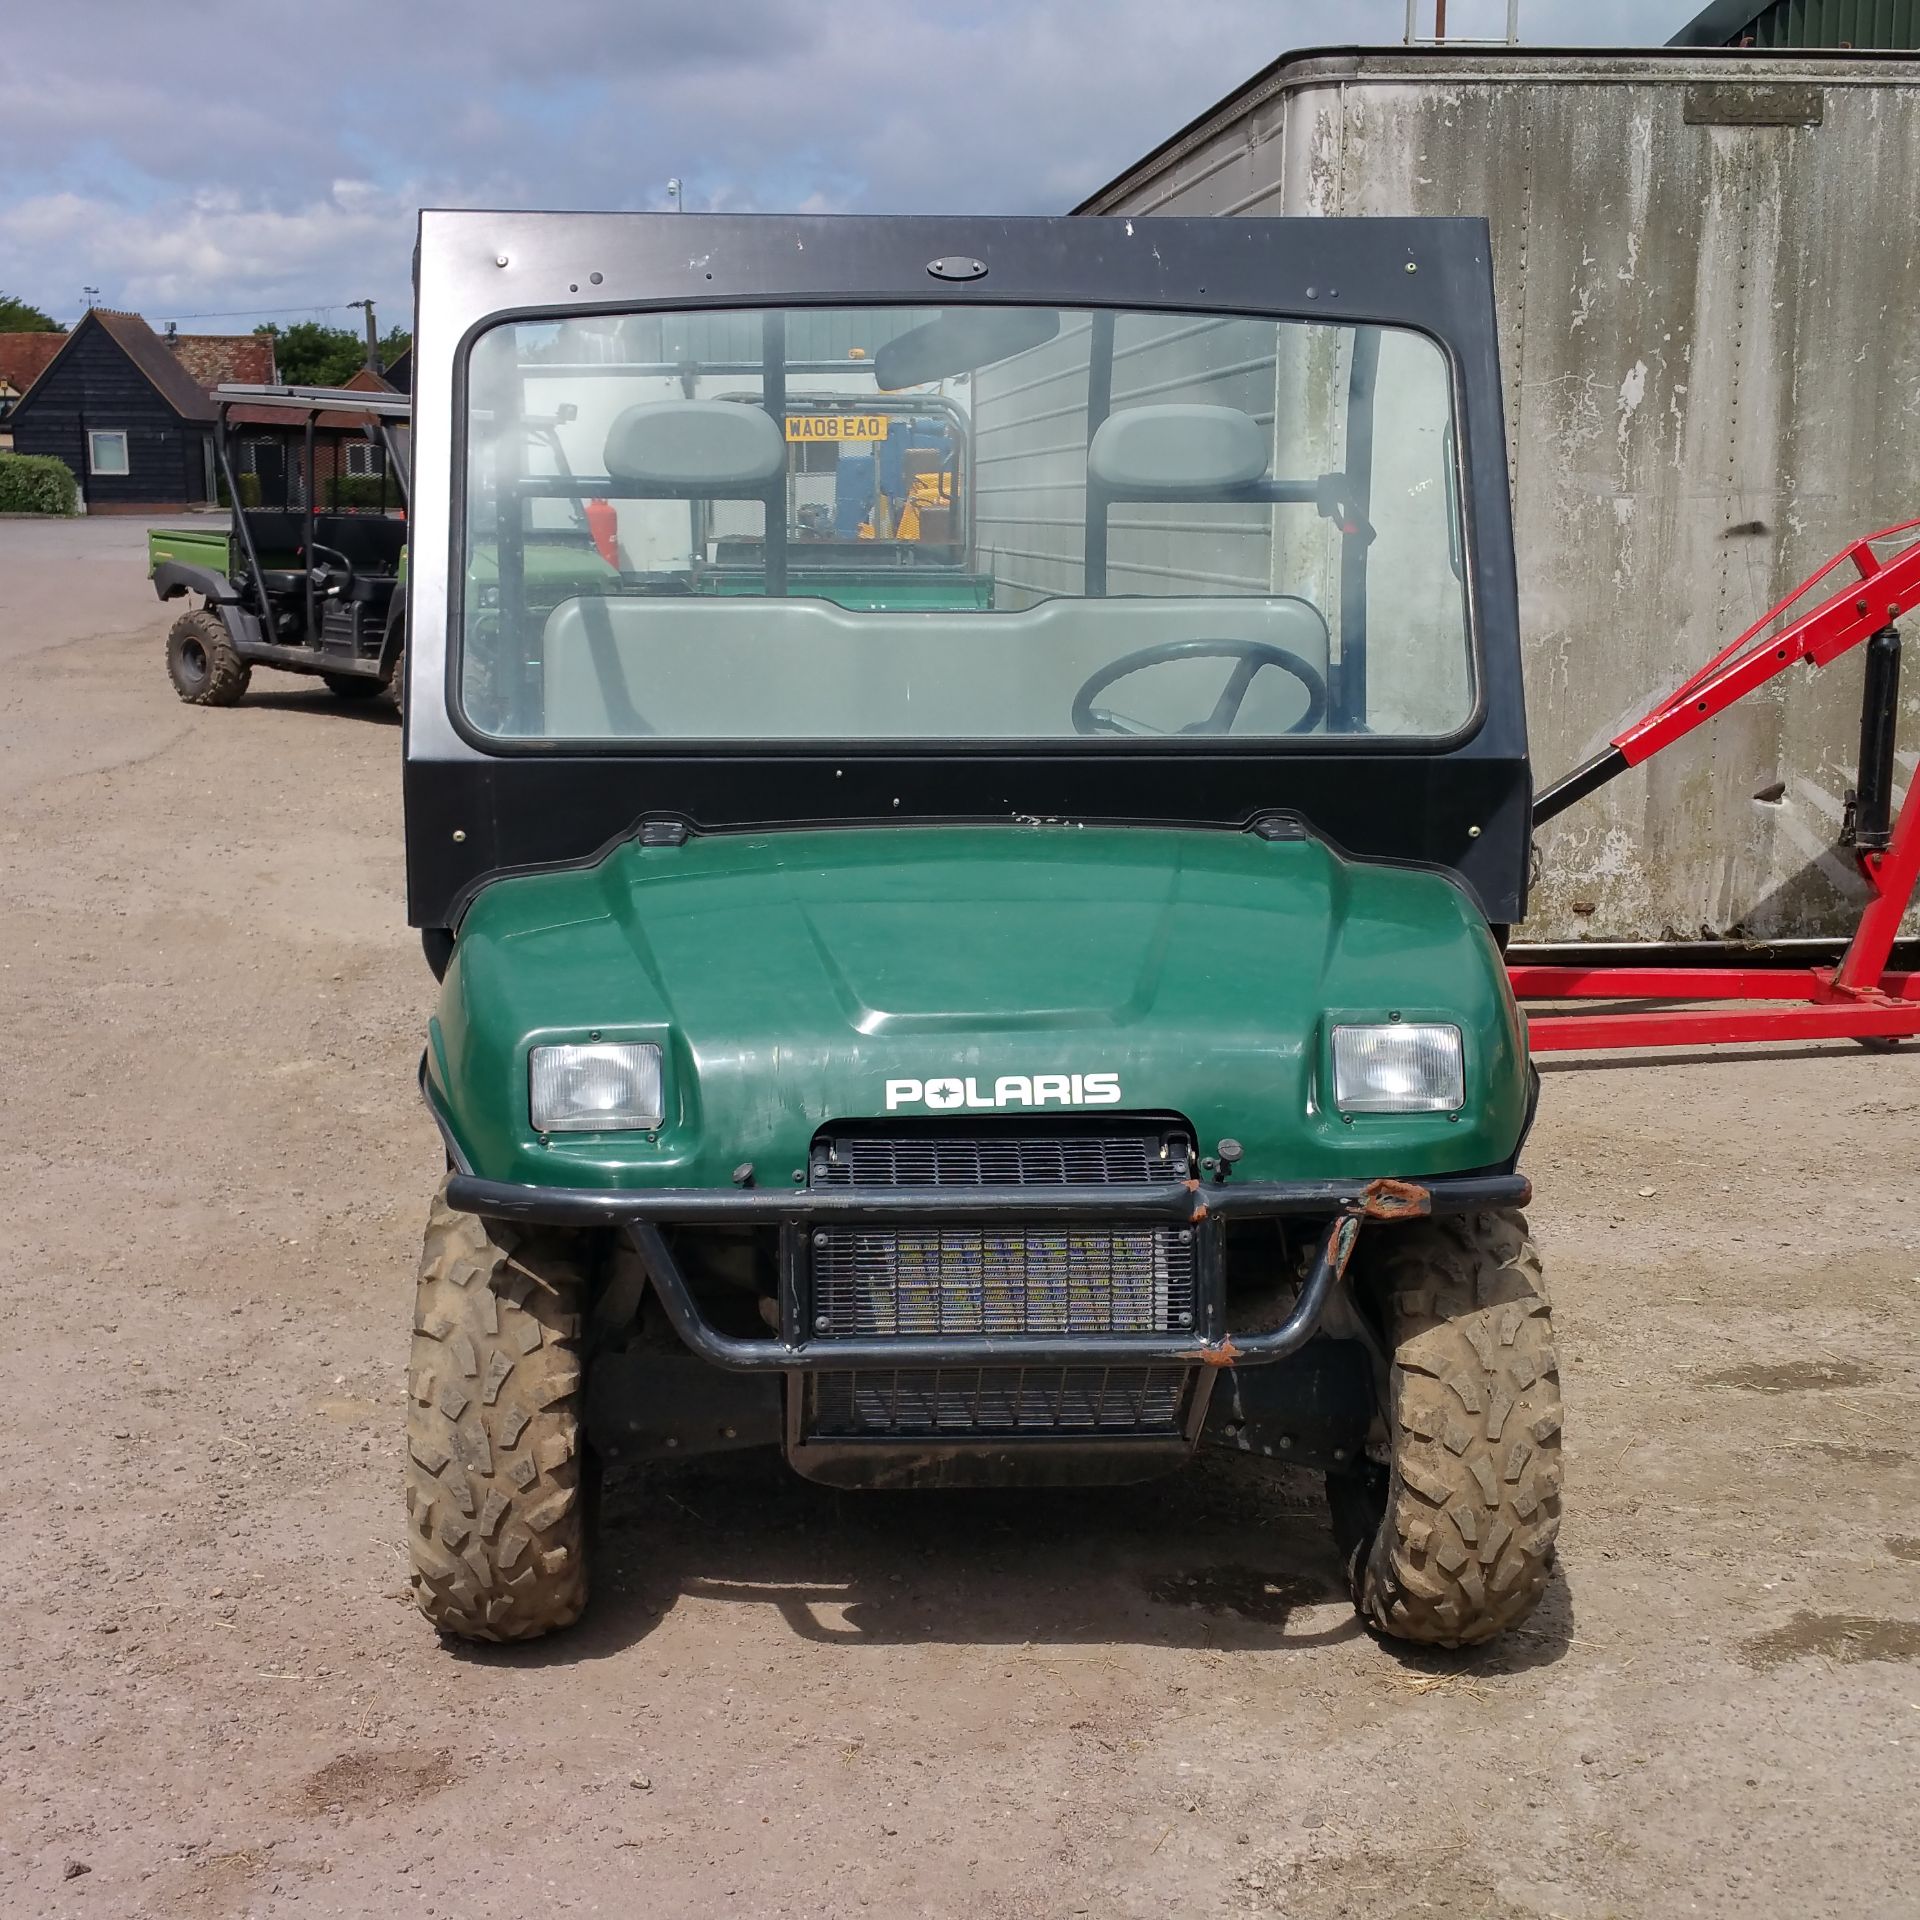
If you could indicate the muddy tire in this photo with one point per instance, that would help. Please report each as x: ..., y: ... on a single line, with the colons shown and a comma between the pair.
x: 201, y: 662
x: 1453, y: 1542
x: 497, y: 1486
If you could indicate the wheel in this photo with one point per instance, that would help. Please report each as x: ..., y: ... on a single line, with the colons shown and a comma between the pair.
x: 497, y: 1492
x: 1451, y: 1540
x: 201, y: 662
x: 351, y: 686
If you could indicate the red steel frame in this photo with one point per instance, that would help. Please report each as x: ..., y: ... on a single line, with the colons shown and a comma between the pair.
x: 1858, y: 999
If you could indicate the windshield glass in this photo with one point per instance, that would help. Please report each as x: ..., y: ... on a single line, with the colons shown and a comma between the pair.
x: 982, y: 523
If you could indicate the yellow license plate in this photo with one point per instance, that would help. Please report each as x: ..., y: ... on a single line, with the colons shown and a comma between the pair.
x: 836, y: 426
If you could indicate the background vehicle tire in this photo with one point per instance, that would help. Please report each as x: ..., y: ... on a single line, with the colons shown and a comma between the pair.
x: 201, y: 662
x: 497, y: 1492
x: 351, y: 686
x: 1464, y: 1516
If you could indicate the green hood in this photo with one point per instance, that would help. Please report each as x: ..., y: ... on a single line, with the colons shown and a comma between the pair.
x: 797, y: 978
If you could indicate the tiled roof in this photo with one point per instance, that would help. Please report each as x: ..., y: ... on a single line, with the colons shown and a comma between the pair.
x: 219, y: 359
x: 24, y: 356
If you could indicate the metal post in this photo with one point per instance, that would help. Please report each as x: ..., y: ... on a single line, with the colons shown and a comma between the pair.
x: 773, y: 396
x: 1413, y: 20
x: 1099, y: 405
x: 239, y: 529
x: 373, y: 338
x: 312, y: 634
x: 1513, y: 23
x: 1362, y: 377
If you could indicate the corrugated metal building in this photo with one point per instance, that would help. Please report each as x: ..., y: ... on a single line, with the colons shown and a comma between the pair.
x: 1862, y: 24
x: 1706, y: 267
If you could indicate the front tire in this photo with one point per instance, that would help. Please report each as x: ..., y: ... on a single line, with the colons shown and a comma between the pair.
x: 1454, y: 1541
x: 497, y: 1497
x: 201, y: 662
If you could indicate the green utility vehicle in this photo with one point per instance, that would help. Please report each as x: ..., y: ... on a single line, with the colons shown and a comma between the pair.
x: 309, y: 576
x: 1020, y: 1040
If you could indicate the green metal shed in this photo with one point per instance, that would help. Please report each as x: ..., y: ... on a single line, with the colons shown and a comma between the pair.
x: 1804, y: 23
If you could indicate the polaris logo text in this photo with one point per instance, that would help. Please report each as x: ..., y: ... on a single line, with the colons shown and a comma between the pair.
x: 1010, y: 1090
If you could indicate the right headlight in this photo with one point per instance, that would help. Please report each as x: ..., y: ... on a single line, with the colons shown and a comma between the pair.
x: 1401, y: 1066
x: 603, y: 1088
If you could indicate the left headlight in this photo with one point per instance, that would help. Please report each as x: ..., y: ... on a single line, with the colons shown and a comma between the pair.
x: 1404, y: 1067
x: 603, y: 1088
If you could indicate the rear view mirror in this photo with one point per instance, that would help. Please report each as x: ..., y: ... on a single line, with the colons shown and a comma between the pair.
x: 960, y: 341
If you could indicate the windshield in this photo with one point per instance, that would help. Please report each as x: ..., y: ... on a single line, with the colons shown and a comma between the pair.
x: 983, y: 523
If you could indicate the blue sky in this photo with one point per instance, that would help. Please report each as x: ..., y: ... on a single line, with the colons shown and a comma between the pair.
x: 289, y: 177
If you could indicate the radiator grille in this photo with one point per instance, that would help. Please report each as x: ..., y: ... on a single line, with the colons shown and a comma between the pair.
x: 999, y: 1400
x: 1081, y: 1277
x: 1031, y: 1160
x: 962, y: 1280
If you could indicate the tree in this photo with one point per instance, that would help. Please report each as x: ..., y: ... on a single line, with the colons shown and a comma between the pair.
x: 16, y: 316
x: 309, y: 354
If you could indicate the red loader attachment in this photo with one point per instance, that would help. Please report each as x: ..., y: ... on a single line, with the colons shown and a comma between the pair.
x: 1858, y: 999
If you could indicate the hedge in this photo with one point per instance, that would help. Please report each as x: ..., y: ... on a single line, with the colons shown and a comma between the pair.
x: 37, y: 483
x: 352, y: 492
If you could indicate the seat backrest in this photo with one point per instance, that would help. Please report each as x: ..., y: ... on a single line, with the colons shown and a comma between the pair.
x: 1177, y: 452
x: 673, y: 447
x: 277, y: 535
x: 371, y: 542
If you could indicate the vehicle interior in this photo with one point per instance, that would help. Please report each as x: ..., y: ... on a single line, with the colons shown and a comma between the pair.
x: 1167, y: 524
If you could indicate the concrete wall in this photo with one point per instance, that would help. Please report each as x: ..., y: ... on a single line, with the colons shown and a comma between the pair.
x: 1710, y: 332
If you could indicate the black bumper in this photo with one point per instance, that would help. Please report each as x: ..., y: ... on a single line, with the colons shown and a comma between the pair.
x: 1344, y: 1206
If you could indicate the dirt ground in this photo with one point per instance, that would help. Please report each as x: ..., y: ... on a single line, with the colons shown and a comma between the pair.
x: 218, y: 1700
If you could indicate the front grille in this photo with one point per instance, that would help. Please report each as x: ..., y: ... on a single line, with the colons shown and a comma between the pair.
x: 1076, y: 1278
x: 985, y: 1160
x: 999, y: 1400
x: 962, y: 1280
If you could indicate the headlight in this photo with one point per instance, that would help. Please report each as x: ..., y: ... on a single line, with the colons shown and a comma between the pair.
x: 595, y: 1089
x: 1400, y: 1068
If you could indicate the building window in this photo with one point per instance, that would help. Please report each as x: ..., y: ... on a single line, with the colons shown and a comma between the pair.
x: 365, y: 461
x: 107, y: 455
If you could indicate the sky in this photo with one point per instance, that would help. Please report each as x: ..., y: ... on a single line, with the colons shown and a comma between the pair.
x: 281, y: 179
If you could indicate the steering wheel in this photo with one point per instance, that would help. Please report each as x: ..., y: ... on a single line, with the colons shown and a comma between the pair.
x: 1252, y: 656
x: 336, y: 563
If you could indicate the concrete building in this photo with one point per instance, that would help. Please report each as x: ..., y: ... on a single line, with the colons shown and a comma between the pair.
x: 1711, y: 353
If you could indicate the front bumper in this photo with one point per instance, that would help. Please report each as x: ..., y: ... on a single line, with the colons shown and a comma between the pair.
x: 1344, y: 1206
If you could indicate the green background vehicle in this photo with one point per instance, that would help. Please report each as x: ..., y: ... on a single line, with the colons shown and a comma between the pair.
x: 309, y: 575
x: 1022, y: 1040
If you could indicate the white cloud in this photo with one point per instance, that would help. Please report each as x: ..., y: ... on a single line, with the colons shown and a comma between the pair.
x: 212, y: 249
x: 298, y: 183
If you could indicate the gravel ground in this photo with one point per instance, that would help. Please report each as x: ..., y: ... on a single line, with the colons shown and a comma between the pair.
x: 220, y: 1702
